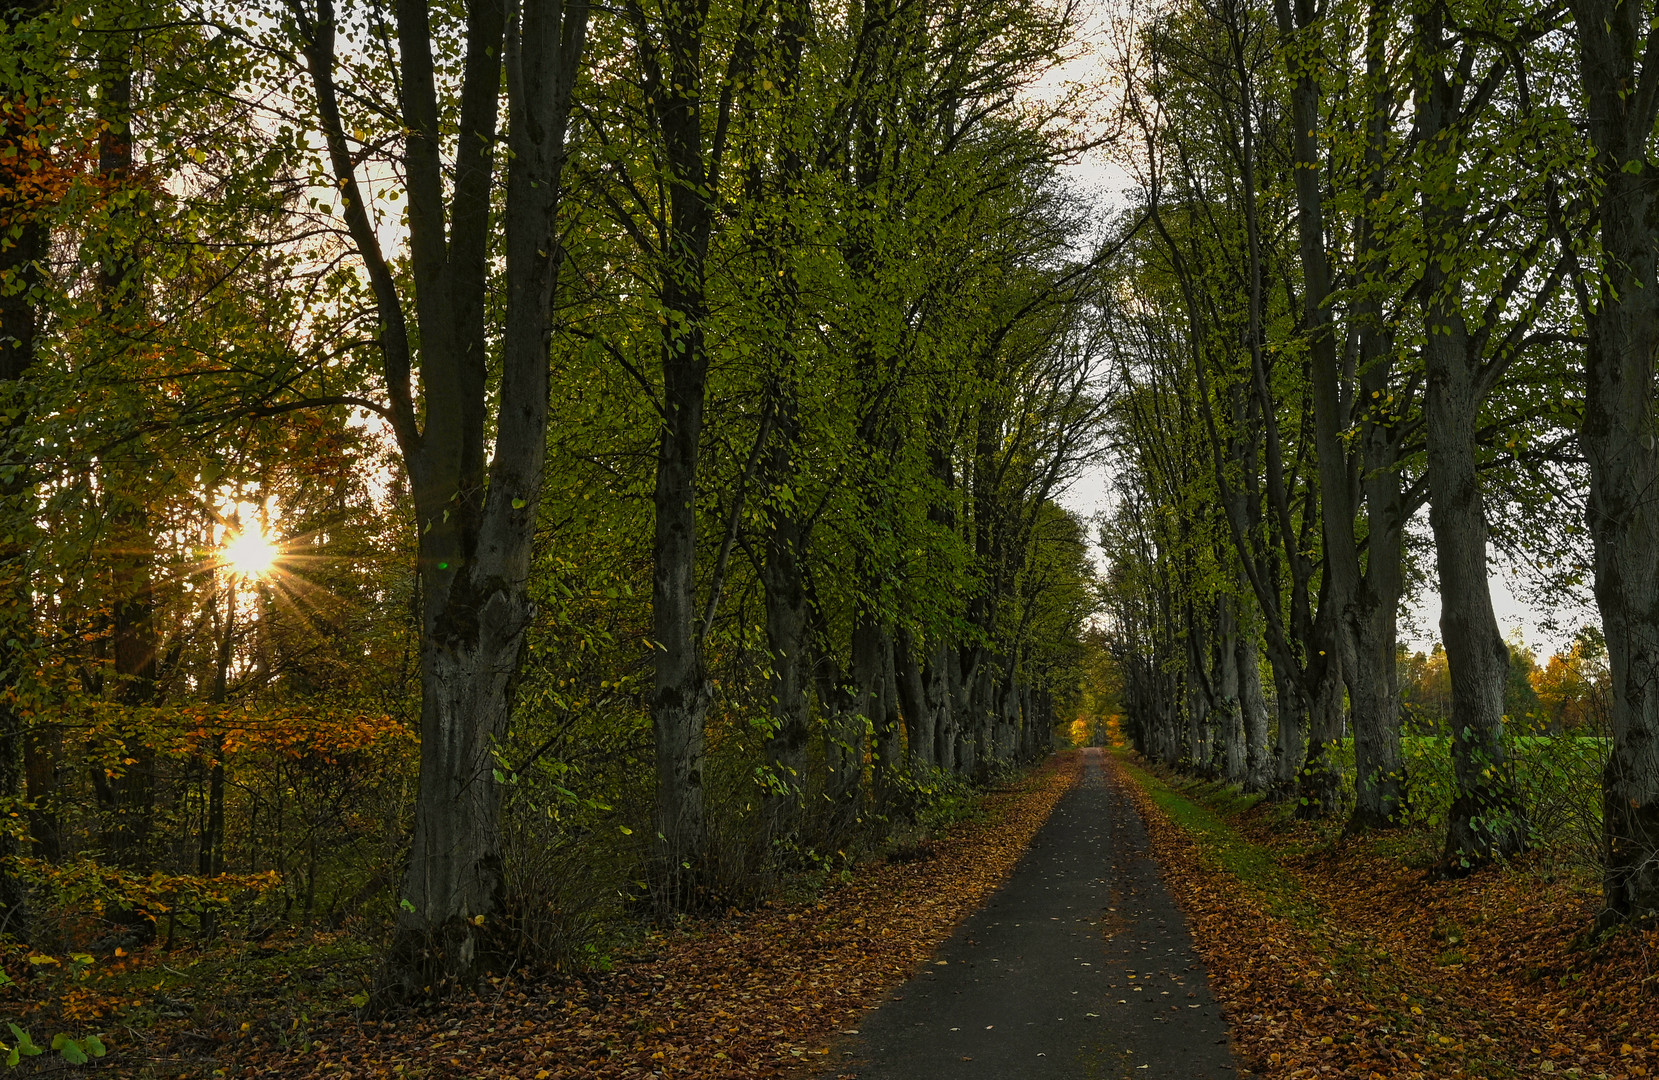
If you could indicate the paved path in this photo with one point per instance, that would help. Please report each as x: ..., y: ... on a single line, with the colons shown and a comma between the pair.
x: 1079, y: 967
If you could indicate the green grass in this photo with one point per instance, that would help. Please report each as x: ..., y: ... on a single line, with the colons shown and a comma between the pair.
x: 1225, y: 848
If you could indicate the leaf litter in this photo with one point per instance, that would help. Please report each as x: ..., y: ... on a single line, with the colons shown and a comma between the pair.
x: 1356, y: 965
x: 754, y: 995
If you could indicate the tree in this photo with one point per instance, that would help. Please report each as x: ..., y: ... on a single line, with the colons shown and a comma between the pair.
x: 476, y: 512
x: 1621, y: 313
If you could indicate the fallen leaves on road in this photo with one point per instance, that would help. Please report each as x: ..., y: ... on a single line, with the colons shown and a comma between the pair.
x: 1370, y: 970
x: 749, y: 996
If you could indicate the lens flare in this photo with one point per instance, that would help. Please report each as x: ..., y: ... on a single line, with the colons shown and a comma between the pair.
x: 250, y: 555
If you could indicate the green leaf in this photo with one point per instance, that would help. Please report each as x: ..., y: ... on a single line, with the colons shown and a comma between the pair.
x: 406, y: 905
x: 25, y: 1045
x: 359, y: 999
x: 94, y: 1044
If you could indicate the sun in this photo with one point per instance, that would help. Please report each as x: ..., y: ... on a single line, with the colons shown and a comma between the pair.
x: 249, y: 555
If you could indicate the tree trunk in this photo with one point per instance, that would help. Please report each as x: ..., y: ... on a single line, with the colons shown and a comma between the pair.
x: 945, y: 689
x: 781, y: 572
x: 130, y: 792
x: 786, y: 628
x: 1291, y: 748
x: 910, y: 679
x: 474, y: 551
x: 1356, y: 634
x: 1253, y: 705
x: 1486, y: 818
x: 1229, y: 699
x: 886, y: 728
x: 680, y: 700
x: 1198, y: 715
x: 1380, y: 779
x: 844, y: 728
x: 1319, y: 783
x: 1618, y: 436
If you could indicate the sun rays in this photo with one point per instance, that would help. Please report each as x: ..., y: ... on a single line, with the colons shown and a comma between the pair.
x: 249, y: 555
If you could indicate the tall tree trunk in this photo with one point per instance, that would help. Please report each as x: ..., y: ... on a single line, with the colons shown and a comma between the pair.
x: 781, y: 571
x: 1618, y: 435
x: 1380, y: 787
x: 476, y: 512
x: 24, y: 246
x: 1229, y: 697
x: 130, y: 791
x: 1253, y: 704
x: 945, y: 689
x: 679, y: 702
x: 1486, y: 819
x: 910, y: 680
x: 786, y: 630
x: 1372, y: 617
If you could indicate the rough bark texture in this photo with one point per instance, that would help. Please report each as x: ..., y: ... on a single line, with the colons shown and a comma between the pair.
x: 1618, y: 435
x: 474, y: 552
x: 1371, y: 619
x: 1229, y: 699
x: 1357, y: 634
x: 671, y: 61
x: 1485, y: 820
x: 910, y: 679
x: 1253, y: 705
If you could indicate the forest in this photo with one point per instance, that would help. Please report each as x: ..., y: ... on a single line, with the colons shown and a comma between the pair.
x: 501, y: 496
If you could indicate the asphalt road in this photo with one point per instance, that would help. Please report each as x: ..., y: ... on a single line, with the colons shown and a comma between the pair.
x: 1079, y: 967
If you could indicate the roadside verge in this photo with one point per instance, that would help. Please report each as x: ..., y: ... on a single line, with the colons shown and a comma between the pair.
x: 753, y: 995
x: 1332, y: 958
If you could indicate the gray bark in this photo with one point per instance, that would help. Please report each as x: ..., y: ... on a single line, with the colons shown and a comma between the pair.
x: 1486, y: 820
x: 1253, y: 704
x: 1291, y: 747
x: 671, y: 78
x: 945, y: 686
x: 1229, y: 694
x: 915, y: 701
x: 886, y: 726
x: 1365, y: 601
x: 1618, y: 436
x: 474, y: 553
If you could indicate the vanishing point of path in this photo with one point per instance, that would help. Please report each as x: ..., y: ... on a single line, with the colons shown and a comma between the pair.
x: 1079, y: 967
